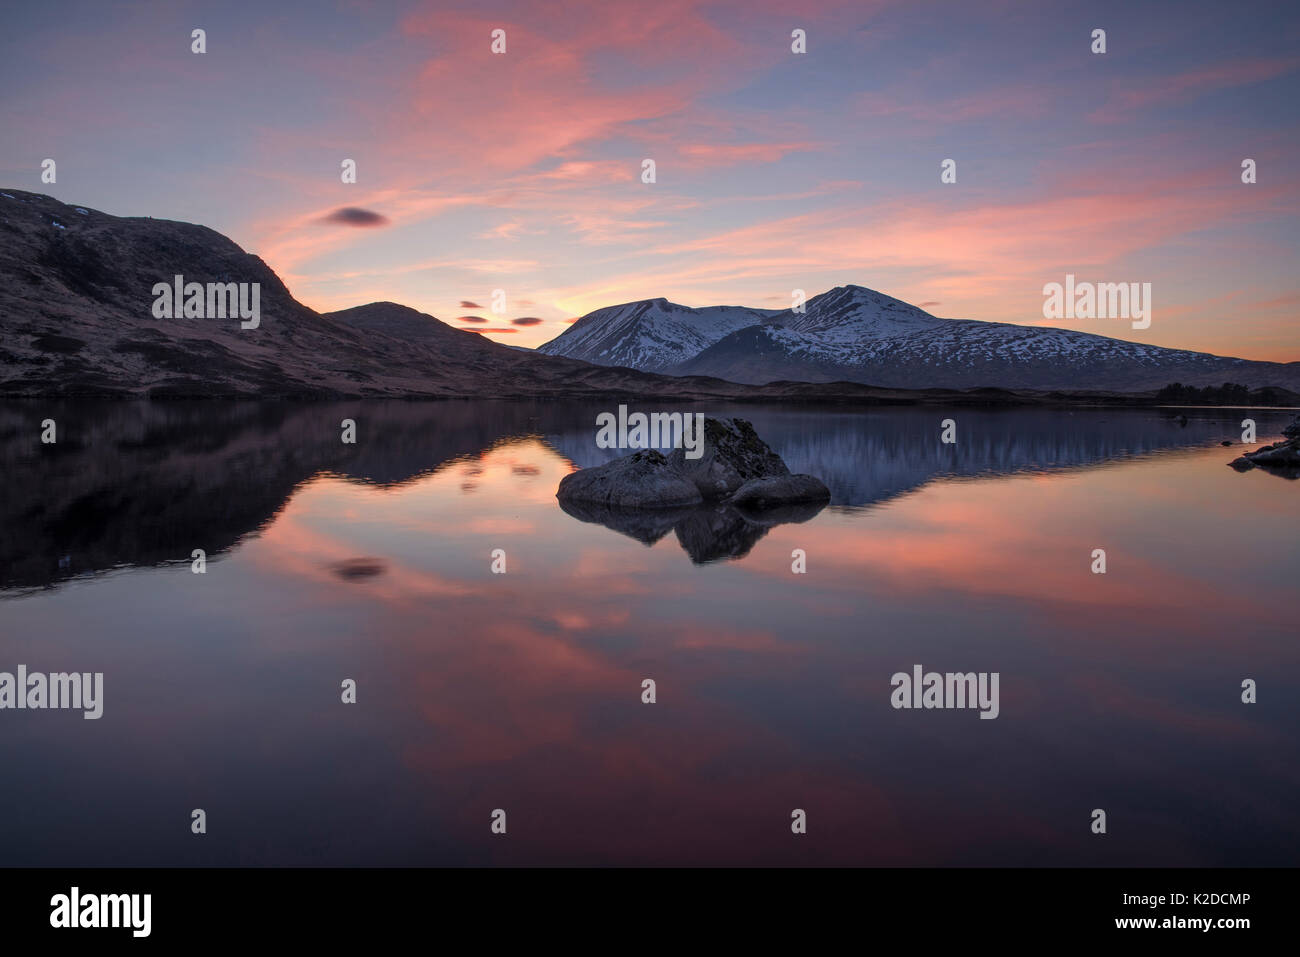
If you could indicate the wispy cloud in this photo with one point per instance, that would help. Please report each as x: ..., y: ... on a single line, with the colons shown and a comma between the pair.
x: 1154, y: 91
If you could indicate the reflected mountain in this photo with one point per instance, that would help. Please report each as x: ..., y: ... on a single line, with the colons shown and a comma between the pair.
x: 870, y: 456
x: 146, y: 483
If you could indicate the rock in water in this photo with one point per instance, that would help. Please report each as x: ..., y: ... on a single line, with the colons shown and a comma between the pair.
x: 1280, y: 458
x: 736, y: 467
x: 733, y: 454
x: 780, y: 490
x: 644, y: 479
x: 1281, y: 455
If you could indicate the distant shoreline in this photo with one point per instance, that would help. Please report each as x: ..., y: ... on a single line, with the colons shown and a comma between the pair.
x: 891, y: 398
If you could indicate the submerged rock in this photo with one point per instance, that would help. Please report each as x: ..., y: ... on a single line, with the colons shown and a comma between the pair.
x: 643, y: 479
x: 774, y: 515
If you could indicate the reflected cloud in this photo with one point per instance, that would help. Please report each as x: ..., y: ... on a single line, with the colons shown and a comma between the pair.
x: 358, y: 569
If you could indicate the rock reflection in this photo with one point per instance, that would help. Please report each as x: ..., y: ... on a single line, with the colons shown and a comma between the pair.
x: 707, y: 533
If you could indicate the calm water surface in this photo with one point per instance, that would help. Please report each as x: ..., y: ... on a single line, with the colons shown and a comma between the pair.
x: 522, y: 691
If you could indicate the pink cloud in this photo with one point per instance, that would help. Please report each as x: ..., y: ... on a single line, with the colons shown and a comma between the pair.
x: 731, y: 154
x: 541, y: 98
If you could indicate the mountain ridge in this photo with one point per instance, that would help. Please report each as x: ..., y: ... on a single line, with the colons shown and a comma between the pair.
x: 654, y: 334
x: 77, y: 318
x: 854, y: 334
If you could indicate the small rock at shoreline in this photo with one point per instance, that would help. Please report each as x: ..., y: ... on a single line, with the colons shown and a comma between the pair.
x: 1280, y: 457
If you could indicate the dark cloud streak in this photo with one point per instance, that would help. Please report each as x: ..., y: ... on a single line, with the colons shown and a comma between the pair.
x: 355, y: 216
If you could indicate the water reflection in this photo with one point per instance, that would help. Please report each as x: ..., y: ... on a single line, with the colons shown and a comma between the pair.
x: 478, y: 690
x: 146, y: 483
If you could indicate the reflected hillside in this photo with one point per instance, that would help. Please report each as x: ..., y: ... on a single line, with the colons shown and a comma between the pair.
x: 146, y: 483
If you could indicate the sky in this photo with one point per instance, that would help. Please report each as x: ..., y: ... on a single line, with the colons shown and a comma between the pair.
x: 774, y: 170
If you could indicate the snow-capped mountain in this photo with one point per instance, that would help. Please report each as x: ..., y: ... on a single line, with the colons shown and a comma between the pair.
x: 651, y: 335
x: 858, y: 335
